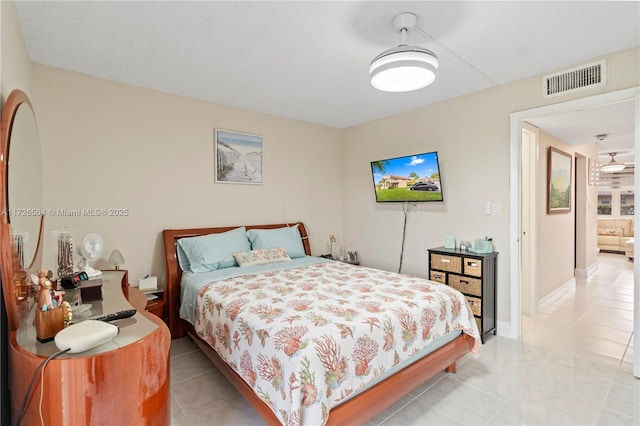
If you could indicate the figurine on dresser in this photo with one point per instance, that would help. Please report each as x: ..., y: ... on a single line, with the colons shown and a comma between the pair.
x: 45, y: 299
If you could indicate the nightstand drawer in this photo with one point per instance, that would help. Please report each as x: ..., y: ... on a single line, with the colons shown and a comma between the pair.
x: 476, y: 305
x: 437, y: 276
x: 472, y: 267
x: 466, y: 285
x: 446, y: 263
x: 156, y: 307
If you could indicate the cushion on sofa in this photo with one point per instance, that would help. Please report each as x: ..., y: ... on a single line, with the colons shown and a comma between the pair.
x: 625, y: 224
x: 613, y: 232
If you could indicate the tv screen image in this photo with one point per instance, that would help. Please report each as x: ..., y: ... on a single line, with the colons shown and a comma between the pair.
x: 412, y: 178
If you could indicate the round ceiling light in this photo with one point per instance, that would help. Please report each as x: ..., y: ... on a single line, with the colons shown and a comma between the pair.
x: 403, y: 68
x: 613, y: 165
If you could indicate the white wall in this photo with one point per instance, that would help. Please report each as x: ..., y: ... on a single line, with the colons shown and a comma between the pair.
x: 109, y: 145
x: 15, y: 64
x: 471, y: 135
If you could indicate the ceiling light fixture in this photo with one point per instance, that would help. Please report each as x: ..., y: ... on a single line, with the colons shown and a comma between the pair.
x: 613, y: 165
x: 403, y: 68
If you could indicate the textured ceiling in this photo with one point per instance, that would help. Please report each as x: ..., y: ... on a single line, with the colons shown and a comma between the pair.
x: 309, y: 60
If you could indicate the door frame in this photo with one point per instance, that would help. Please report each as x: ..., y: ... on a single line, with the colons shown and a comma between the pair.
x: 514, y: 328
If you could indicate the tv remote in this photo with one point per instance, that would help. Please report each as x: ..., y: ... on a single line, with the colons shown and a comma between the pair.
x: 116, y: 315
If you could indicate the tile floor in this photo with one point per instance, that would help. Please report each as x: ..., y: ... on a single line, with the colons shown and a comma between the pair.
x: 571, y: 368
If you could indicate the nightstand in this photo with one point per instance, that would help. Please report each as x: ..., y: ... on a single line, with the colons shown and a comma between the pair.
x: 155, y: 303
x: 154, y: 300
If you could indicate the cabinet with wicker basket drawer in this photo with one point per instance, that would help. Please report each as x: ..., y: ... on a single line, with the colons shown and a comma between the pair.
x: 474, y: 275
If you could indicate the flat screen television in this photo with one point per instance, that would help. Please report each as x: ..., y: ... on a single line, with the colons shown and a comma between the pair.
x: 413, y: 178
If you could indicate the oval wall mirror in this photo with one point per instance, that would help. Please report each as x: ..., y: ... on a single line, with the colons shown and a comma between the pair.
x: 21, y: 201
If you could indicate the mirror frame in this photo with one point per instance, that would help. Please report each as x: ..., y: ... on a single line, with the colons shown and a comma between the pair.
x: 10, y: 269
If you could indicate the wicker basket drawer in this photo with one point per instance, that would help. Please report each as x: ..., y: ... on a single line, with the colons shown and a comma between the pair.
x: 476, y: 305
x: 466, y: 285
x: 473, y: 267
x: 479, y: 324
x: 446, y: 263
x: 438, y: 276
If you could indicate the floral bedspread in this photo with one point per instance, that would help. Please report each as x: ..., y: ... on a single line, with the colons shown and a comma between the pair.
x: 307, y: 338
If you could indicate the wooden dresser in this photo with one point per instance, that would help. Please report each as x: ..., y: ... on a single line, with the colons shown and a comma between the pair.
x: 474, y: 275
x: 122, y: 382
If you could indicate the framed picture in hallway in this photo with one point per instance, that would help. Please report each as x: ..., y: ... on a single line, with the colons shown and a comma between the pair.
x: 237, y: 158
x: 559, y: 181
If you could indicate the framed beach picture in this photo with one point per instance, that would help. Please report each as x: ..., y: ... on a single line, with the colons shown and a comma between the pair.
x: 559, y: 181
x: 238, y: 157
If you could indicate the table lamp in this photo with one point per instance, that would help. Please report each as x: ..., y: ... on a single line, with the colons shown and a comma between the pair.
x: 116, y: 258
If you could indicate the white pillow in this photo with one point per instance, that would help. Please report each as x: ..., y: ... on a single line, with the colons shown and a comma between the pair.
x: 261, y: 257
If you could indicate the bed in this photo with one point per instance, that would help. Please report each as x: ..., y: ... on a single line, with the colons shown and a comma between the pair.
x: 307, y: 340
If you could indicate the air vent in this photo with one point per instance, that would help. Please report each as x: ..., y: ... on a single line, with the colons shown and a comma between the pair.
x: 575, y: 79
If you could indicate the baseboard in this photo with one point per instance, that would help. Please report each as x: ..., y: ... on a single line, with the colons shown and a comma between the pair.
x: 504, y: 329
x: 584, y: 273
x: 570, y: 283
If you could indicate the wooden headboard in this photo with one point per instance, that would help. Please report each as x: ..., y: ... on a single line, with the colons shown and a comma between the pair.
x: 174, y: 273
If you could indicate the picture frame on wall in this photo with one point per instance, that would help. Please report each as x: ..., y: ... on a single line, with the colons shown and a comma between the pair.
x: 237, y: 157
x: 559, y: 181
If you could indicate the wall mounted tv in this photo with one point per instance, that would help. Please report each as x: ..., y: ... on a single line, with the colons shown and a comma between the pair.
x: 413, y: 178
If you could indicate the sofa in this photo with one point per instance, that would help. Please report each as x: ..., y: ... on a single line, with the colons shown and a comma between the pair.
x: 614, y: 233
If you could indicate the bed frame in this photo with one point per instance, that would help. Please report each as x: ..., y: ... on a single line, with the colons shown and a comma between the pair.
x: 356, y: 410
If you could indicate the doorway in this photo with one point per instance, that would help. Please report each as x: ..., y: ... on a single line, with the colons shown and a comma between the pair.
x: 516, y: 240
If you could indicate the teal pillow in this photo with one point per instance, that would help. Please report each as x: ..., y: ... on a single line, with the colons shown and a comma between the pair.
x: 213, y: 251
x: 287, y: 238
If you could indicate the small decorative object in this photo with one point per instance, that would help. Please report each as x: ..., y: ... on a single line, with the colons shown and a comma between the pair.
x: 332, y: 239
x: 116, y: 259
x: 353, y: 257
x: 67, y: 313
x: 45, y: 301
x: 450, y: 242
x: 238, y: 157
x: 49, y: 315
x: 482, y: 245
x: 20, y: 240
x: 465, y: 245
x: 64, y: 255
x: 559, y: 181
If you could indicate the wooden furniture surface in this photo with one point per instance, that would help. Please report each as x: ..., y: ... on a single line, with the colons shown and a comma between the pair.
x: 473, y: 274
x: 125, y: 381
x: 156, y: 306
x: 356, y: 410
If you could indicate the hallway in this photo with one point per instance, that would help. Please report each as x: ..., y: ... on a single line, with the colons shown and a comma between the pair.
x: 593, y: 320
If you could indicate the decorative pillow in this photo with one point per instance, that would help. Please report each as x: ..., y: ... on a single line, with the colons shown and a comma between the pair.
x: 213, y: 251
x: 287, y: 238
x: 611, y: 232
x: 261, y: 257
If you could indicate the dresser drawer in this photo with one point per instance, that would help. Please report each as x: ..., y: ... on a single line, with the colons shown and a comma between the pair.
x: 479, y: 324
x: 466, y: 285
x: 437, y: 276
x: 476, y: 305
x: 473, y: 267
x: 446, y: 263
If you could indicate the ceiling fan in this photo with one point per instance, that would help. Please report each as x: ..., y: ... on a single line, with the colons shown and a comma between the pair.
x: 613, y: 165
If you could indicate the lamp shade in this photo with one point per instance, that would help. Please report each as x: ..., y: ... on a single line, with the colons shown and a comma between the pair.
x: 116, y: 259
x: 403, y: 69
